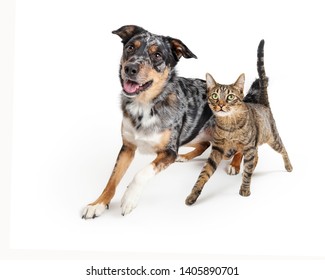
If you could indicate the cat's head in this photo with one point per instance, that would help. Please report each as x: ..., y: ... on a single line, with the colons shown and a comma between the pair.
x: 224, y: 100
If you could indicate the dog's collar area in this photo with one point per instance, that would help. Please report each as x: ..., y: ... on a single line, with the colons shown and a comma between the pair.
x: 132, y: 88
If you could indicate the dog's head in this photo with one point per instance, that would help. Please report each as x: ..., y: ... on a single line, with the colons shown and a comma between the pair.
x: 148, y: 61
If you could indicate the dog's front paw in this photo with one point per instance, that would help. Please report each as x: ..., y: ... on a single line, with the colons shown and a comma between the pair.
x: 93, y: 211
x: 129, y: 200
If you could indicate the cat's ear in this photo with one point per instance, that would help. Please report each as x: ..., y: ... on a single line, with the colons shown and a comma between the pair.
x: 211, y: 83
x: 240, y: 82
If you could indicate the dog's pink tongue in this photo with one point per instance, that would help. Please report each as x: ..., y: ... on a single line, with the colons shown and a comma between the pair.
x: 130, y: 87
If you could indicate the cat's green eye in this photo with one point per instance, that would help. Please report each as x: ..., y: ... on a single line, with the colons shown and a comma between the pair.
x: 215, y: 96
x: 230, y: 97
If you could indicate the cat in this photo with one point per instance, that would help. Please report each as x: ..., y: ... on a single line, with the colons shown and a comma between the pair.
x: 241, y: 126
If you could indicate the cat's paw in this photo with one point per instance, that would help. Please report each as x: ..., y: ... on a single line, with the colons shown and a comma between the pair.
x: 289, y: 167
x: 191, y: 199
x: 233, y: 170
x: 93, y: 211
x: 245, y: 192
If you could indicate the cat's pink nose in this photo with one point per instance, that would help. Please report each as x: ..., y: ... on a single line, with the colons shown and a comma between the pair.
x: 222, y: 103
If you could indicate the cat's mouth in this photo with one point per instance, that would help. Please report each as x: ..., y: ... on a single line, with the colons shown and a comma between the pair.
x: 222, y: 113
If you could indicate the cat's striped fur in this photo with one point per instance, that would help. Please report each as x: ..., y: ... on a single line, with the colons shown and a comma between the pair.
x: 241, y: 126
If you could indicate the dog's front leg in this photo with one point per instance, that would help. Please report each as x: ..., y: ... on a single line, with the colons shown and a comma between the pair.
x: 133, y: 192
x: 123, y: 161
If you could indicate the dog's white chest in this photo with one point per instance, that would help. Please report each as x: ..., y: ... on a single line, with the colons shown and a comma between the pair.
x: 145, y: 142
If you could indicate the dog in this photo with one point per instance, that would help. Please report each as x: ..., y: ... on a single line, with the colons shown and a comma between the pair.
x: 161, y: 112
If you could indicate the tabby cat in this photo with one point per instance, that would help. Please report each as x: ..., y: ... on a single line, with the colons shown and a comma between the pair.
x: 241, y: 125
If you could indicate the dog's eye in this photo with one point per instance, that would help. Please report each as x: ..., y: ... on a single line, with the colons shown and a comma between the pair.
x: 157, y: 56
x: 130, y: 48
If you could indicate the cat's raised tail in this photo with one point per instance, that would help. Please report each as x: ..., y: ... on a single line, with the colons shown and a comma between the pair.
x: 258, y: 90
x: 263, y: 80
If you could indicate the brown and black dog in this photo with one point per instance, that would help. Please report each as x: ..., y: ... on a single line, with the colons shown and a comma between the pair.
x: 161, y: 112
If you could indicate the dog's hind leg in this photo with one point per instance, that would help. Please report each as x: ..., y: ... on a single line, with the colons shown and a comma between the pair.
x: 199, y: 149
x: 133, y: 192
x: 123, y: 161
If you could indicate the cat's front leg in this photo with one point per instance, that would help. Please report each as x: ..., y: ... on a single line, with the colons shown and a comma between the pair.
x: 208, y: 169
x: 250, y: 161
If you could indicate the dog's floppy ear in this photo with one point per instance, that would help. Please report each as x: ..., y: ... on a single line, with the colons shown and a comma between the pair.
x: 126, y: 32
x: 179, y: 49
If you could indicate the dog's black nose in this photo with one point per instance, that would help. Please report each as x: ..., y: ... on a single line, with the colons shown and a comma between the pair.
x: 131, y: 69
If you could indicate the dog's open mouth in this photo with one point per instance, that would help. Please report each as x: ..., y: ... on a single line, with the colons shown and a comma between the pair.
x: 132, y: 88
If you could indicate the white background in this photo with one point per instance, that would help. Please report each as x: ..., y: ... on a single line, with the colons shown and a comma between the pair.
x: 66, y: 130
